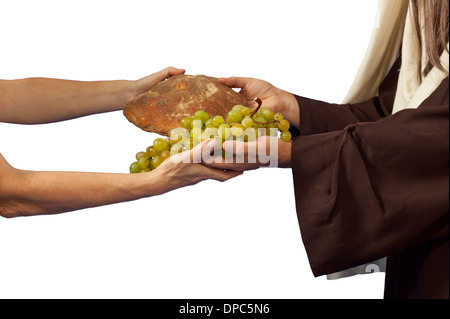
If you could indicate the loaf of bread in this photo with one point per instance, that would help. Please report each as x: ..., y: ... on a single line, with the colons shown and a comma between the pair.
x: 161, y: 108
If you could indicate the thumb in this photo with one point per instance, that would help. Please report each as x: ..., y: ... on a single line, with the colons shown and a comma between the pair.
x: 175, y: 71
x: 235, y: 82
x: 219, y: 174
x: 168, y: 72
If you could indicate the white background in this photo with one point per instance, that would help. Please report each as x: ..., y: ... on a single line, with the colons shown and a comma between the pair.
x: 238, y: 239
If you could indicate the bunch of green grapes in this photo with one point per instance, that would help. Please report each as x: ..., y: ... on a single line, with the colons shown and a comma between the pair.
x: 152, y: 157
x: 242, y: 123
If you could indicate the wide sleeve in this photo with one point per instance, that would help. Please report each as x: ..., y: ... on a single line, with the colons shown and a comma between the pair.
x: 375, y: 188
x: 320, y: 117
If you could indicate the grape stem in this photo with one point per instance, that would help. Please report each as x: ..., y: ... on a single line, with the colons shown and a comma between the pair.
x: 257, y: 100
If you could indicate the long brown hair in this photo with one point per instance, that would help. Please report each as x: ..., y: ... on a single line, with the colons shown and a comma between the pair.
x: 436, y: 25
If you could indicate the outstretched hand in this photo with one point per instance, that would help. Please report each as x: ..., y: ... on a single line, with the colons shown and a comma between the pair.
x: 266, y: 151
x: 187, y: 168
x: 271, y: 96
x: 146, y: 83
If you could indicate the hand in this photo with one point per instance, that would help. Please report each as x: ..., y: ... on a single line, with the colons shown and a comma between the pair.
x: 145, y: 84
x: 266, y: 151
x: 271, y: 96
x: 186, y: 169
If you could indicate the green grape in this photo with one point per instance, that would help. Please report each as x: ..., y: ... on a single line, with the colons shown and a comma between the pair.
x: 286, y: 136
x: 161, y: 144
x: 259, y: 122
x: 250, y: 134
x: 151, y: 151
x: 202, y: 116
x: 197, y: 124
x: 273, y: 125
x: 259, y: 117
x: 278, y: 117
x: 143, y: 162
x: 267, y: 113
x: 134, y: 168
x: 196, y: 134
x: 258, y: 132
x: 139, y: 155
x: 271, y: 131
x: 176, y: 148
x: 173, y: 137
x: 283, y: 125
x: 186, y: 122
x: 234, y: 116
x: 237, y: 129
x: 247, y: 122
x: 238, y: 108
x: 240, y: 124
x: 165, y: 154
x: 156, y: 161
x: 224, y: 131
x: 177, y: 135
x: 208, y: 123
x: 188, y: 144
x: 217, y: 120
x: 246, y: 111
x: 209, y: 132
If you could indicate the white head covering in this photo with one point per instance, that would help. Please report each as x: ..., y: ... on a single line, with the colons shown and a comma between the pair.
x: 383, y: 50
x: 394, y: 30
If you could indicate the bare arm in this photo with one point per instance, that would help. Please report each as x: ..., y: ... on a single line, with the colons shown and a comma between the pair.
x: 28, y: 193
x: 43, y: 100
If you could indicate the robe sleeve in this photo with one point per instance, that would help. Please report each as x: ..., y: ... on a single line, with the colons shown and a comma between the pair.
x: 372, y: 188
x: 320, y: 117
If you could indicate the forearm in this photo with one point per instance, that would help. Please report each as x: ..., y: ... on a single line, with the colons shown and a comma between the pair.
x: 43, y: 100
x: 27, y: 193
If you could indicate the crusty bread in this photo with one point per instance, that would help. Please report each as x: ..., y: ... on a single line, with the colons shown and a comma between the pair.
x: 161, y: 108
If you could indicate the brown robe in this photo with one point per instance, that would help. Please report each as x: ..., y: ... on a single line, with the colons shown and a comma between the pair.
x: 369, y: 184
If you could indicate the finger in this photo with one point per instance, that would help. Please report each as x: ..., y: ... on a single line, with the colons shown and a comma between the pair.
x: 262, y: 152
x: 237, y: 147
x: 192, y: 156
x: 247, y: 148
x: 151, y: 80
x: 209, y: 151
x: 220, y: 174
x: 208, y: 146
x: 175, y: 71
x: 220, y: 164
x: 241, y: 152
x: 168, y: 72
x: 227, y: 166
x: 235, y: 82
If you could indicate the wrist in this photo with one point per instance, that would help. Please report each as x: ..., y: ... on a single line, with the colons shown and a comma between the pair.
x: 284, y: 154
x: 130, y: 90
x: 292, y: 109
